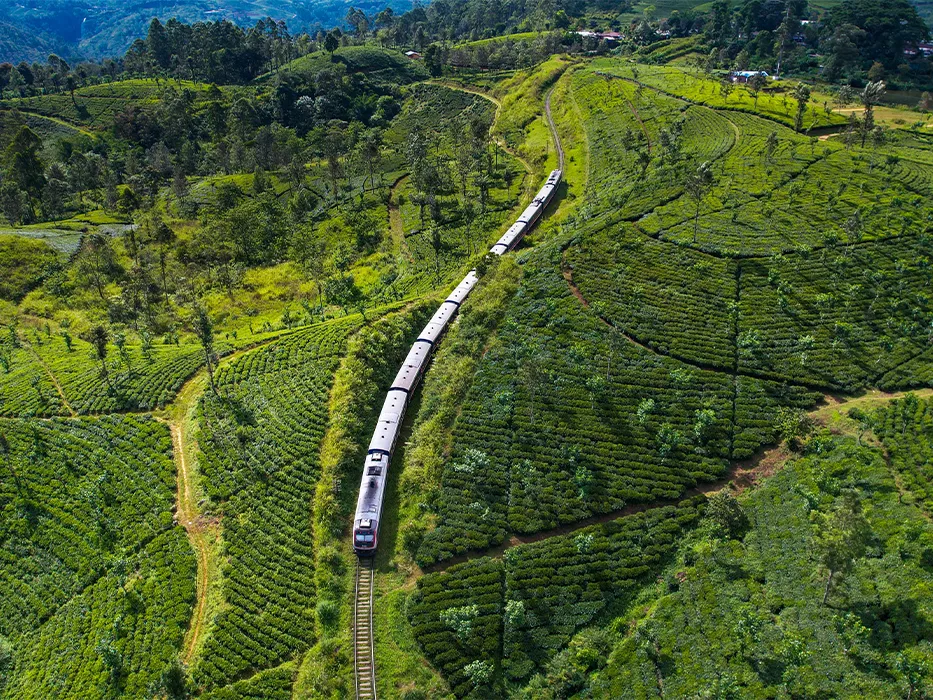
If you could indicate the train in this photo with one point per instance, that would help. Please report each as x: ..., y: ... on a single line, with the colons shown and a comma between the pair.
x: 369, y: 505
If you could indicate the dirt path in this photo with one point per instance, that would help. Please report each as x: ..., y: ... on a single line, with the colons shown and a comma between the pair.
x: 204, y: 531
x: 180, y: 418
x: 740, y: 476
x: 834, y: 407
x: 396, y: 226
x: 55, y: 382
x: 196, y: 526
x: 498, y: 104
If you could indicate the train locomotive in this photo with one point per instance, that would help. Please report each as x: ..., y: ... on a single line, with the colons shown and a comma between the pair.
x: 376, y: 467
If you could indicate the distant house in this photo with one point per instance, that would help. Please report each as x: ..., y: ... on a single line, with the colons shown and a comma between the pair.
x: 923, y: 48
x: 611, y: 37
x: 743, y: 76
x: 414, y: 55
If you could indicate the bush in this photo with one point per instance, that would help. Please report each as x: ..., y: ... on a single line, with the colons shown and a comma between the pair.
x: 328, y: 614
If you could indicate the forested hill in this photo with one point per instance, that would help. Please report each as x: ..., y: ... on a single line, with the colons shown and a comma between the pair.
x: 79, y: 28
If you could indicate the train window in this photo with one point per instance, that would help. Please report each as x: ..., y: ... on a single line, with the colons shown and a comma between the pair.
x: 365, y: 539
x: 374, y: 471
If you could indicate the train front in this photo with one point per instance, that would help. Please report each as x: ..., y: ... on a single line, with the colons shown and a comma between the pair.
x: 364, y: 537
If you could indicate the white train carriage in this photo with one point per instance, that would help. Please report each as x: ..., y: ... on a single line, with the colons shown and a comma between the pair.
x: 390, y: 418
x: 462, y: 291
x: 375, y: 470
x: 435, y: 328
x: 512, y: 237
x: 410, y: 371
x: 369, y: 504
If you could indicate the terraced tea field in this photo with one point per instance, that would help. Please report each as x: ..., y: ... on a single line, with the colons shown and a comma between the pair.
x: 658, y: 333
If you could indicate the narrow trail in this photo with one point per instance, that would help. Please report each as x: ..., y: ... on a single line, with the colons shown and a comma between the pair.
x: 203, y: 531
x: 195, y: 525
x: 741, y: 475
x: 179, y: 417
x: 486, y: 96
x: 53, y: 378
x: 396, y: 226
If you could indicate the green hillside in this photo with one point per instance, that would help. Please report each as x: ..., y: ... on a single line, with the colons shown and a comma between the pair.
x: 675, y: 444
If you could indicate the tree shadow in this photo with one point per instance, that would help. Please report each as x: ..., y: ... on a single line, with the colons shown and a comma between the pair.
x: 895, y: 624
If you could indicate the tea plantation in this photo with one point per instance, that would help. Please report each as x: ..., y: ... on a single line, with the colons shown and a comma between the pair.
x: 46, y: 377
x: 94, y: 573
x: 744, y: 616
x: 676, y: 444
x: 260, y: 440
x: 667, y: 326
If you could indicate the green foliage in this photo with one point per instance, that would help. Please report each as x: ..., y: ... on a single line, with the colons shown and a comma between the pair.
x: 23, y: 264
x: 137, y: 379
x: 904, y: 427
x: 553, y: 455
x: 385, y: 65
x: 726, y: 515
x: 260, y: 439
x: 697, y: 89
x: 828, y: 296
x: 490, y: 621
x: 95, y: 575
x: 754, y: 605
x: 271, y: 684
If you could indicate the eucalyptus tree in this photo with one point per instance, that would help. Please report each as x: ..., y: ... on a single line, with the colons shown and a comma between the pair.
x: 870, y: 96
x: 99, y: 337
x: 802, y: 96
x: 755, y: 85
x: 697, y: 185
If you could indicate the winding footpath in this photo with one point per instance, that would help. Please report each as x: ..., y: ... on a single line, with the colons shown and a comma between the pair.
x: 204, y: 531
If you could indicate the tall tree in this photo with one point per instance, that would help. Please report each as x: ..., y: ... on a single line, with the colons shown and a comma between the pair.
x: 204, y: 330
x: 331, y: 43
x: 756, y: 84
x: 842, y: 539
x: 157, y: 44
x: 26, y: 167
x: 802, y: 96
x: 697, y: 185
x: 99, y: 337
x: 97, y: 263
x: 870, y: 96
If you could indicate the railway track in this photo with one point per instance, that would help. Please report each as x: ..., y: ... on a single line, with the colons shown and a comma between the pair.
x: 553, y: 127
x: 364, y: 655
x: 379, y: 455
